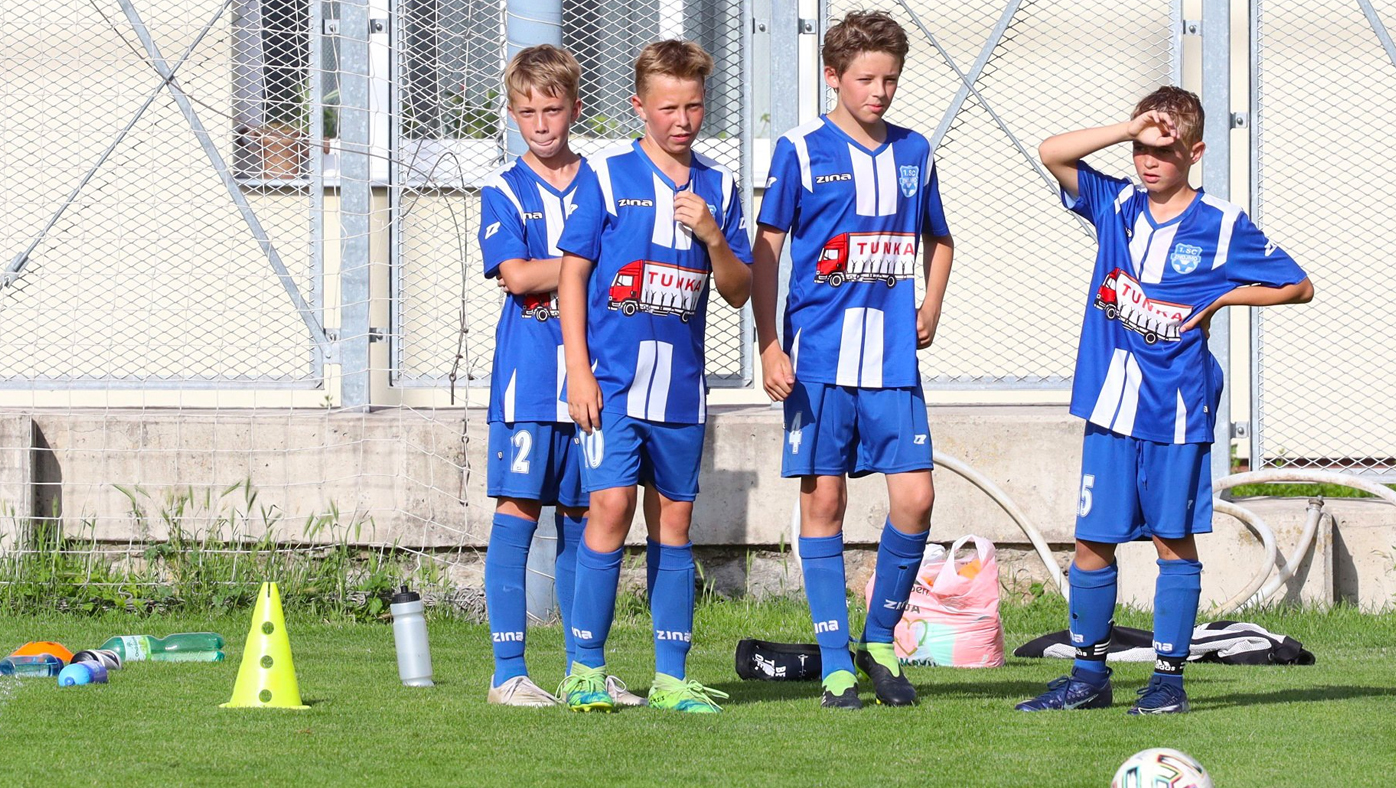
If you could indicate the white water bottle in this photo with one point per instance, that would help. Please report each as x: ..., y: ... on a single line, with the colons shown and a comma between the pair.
x: 410, y: 638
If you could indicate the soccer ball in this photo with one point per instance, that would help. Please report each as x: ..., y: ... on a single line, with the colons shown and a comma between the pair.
x: 1161, y: 767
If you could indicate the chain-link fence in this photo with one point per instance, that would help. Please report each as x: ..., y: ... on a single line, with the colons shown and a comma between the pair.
x: 1326, y: 92
x: 450, y: 124
x: 1012, y: 314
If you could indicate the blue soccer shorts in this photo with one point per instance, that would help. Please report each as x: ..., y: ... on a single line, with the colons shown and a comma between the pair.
x: 624, y: 452
x: 535, y: 461
x: 833, y: 430
x: 1137, y: 489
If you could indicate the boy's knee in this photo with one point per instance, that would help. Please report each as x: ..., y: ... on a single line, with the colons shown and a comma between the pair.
x: 611, y: 509
x: 826, y: 503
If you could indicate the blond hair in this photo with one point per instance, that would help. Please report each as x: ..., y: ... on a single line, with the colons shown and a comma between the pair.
x: 1182, y: 105
x: 544, y: 68
x: 671, y: 58
x: 860, y: 32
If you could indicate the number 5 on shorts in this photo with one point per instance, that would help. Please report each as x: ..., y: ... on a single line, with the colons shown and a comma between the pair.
x: 1087, y: 482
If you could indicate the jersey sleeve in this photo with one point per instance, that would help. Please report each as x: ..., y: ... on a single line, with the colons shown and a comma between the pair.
x: 1096, y: 193
x: 935, y: 223
x: 581, y: 235
x: 734, y: 226
x: 1253, y: 259
x: 501, y: 230
x: 780, y: 203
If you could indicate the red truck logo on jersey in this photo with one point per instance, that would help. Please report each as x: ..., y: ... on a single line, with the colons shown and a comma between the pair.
x: 867, y: 257
x: 657, y: 288
x: 540, y: 306
x: 1123, y: 299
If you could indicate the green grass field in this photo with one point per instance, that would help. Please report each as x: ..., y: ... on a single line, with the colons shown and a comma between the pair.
x: 159, y: 724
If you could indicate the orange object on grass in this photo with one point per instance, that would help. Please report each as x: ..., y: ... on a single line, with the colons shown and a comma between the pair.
x: 970, y: 570
x: 36, y: 647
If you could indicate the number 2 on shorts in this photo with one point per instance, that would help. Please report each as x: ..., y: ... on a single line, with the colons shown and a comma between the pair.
x: 523, y: 445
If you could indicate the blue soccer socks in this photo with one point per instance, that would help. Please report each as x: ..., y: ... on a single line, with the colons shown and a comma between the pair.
x: 898, y: 561
x: 594, y: 604
x: 506, y: 562
x: 826, y: 589
x: 569, y: 535
x: 651, y: 567
x: 1092, y: 608
x: 671, y: 606
x: 1176, y: 595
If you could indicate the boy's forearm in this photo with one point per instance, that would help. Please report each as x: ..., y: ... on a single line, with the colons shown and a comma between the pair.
x: 765, y: 282
x: 940, y: 257
x: 1062, y: 152
x: 572, y: 310
x: 731, y: 276
x: 522, y: 277
x: 1260, y: 295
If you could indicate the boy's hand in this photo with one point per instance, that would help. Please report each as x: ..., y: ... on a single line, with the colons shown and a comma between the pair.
x: 692, y: 212
x: 777, y: 376
x: 584, y: 399
x: 1153, y: 128
x: 927, y: 320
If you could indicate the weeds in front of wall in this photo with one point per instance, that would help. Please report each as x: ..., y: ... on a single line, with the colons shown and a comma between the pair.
x: 199, y: 550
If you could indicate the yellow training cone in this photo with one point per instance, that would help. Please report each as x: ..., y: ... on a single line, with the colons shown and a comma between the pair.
x: 267, y: 678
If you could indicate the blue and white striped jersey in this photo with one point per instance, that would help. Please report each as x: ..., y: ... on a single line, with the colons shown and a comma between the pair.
x: 521, y: 217
x: 647, y: 300
x: 855, y: 217
x: 1136, y: 374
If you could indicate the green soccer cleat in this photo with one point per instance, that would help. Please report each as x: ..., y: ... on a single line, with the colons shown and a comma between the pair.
x: 585, y: 690
x: 878, y: 661
x: 841, y: 691
x: 668, y: 692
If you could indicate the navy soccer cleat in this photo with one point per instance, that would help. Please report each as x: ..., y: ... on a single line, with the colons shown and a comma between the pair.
x: 1070, y: 692
x: 1161, y: 697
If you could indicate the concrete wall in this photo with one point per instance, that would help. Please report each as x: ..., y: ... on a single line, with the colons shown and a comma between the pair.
x: 416, y: 479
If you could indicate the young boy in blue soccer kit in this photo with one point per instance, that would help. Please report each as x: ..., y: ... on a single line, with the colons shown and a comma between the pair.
x: 532, y: 439
x: 653, y: 220
x: 858, y: 196
x: 1146, y: 383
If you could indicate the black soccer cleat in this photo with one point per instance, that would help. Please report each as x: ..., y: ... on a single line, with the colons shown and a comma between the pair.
x: 891, y: 689
x: 841, y: 691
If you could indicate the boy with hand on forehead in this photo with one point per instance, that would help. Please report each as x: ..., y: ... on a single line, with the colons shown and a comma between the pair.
x: 532, y: 459
x: 653, y: 221
x: 1146, y: 383
x: 860, y: 199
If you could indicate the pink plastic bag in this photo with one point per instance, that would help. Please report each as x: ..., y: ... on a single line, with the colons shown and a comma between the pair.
x: 952, y: 617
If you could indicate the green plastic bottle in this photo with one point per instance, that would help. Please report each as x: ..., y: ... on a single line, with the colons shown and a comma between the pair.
x: 182, y: 647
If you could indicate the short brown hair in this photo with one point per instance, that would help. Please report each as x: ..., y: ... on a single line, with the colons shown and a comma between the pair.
x: 1182, y: 105
x: 863, y: 31
x: 672, y: 57
x: 544, y: 68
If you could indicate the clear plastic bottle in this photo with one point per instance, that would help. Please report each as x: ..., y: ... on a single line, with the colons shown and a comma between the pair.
x: 182, y: 647
x: 31, y: 666
x: 410, y: 638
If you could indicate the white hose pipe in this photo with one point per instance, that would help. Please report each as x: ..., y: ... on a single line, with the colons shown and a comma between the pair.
x: 1287, y: 566
x: 1274, y: 475
x: 1018, y: 515
x: 1267, y: 541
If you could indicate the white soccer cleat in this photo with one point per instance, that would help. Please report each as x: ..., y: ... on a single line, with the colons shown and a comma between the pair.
x: 622, y: 696
x: 521, y: 691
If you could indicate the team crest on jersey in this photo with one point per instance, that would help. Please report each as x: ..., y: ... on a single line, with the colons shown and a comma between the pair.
x: 1185, y: 258
x: 909, y: 179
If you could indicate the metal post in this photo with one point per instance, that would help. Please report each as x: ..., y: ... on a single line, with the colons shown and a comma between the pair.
x: 528, y: 23
x: 1216, y: 180
x: 785, y: 108
x: 356, y: 202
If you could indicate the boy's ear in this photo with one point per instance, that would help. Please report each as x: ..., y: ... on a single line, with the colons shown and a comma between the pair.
x: 1197, y: 151
x: 831, y: 77
x: 576, y: 110
x: 638, y: 106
